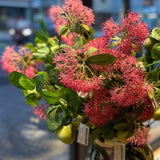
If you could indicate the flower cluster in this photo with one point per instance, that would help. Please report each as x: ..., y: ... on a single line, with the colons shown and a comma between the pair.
x: 18, y: 61
x: 99, y: 80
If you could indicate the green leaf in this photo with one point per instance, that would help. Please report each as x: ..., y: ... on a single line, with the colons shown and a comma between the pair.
x: 50, y: 97
x: 74, y: 102
x: 94, y: 135
x: 156, y: 34
x: 41, y: 45
x: 54, y: 119
x: 50, y: 67
x: 39, y: 55
x: 39, y: 80
x: 62, y: 30
x: 43, y: 28
x: 155, y: 52
x: 49, y: 110
x: 123, y: 134
x: 26, y: 83
x: 89, y: 29
x: 155, y: 74
x: 77, y: 28
x: 91, y: 50
x: 31, y: 46
x: 101, y: 59
x: 14, y: 79
x: 77, y: 41
x: 40, y: 37
x: 45, y: 76
x: 43, y: 50
x: 31, y: 99
x: 121, y: 126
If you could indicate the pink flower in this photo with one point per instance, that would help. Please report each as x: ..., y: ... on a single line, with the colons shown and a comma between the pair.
x: 132, y: 33
x: 40, y: 110
x: 148, y: 111
x: 140, y: 138
x: 70, y: 13
x: 69, y: 40
x: 99, y: 109
x: 18, y: 61
x: 134, y: 88
x: 72, y: 72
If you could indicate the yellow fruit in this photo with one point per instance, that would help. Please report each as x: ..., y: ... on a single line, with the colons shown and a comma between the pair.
x: 148, y: 44
x: 156, y: 115
x: 67, y: 133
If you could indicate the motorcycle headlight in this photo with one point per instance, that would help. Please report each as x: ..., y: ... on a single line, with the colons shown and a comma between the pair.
x: 26, y: 32
x: 12, y: 31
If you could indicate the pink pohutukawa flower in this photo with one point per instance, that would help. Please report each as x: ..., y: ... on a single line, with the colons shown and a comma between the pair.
x: 40, y: 110
x: 134, y: 88
x: 99, y: 108
x: 72, y: 72
x: 140, y: 138
x: 132, y: 33
x: 69, y: 40
x: 148, y: 110
x: 18, y: 61
x: 73, y: 11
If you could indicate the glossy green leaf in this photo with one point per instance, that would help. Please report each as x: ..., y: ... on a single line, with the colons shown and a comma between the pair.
x: 41, y: 45
x: 77, y: 28
x: 43, y: 50
x: 155, y: 52
x: 50, y: 97
x: 39, y: 55
x: 89, y: 29
x: 121, y: 126
x: 54, y: 119
x: 77, y: 41
x: 101, y: 59
x: 31, y: 99
x: 91, y: 50
x: 50, y: 109
x: 155, y: 74
x: 50, y: 67
x: 14, y: 79
x: 62, y: 30
x: 39, y: 80
x: 74, y: 102
x: 40, y: 37
x: 156, y: 33
x: 94, y: 135
x: 26, y: 83
x: 45, y: 76
x: 43, y: 28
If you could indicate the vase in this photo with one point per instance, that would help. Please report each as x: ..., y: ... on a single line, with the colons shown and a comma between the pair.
x: 117, y: 150
x: 114, y: 149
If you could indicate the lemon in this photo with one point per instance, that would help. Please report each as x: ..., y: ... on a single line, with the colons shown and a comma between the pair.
x: 67, y: 133
x: 156, y: 115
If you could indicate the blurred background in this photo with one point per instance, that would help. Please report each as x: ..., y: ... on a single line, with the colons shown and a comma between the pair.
x: 22, y: 135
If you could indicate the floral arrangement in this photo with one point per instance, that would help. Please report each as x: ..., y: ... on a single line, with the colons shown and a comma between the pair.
x: 74, y: 78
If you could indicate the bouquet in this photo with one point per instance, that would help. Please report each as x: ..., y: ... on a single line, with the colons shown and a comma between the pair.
x: 108, y: 84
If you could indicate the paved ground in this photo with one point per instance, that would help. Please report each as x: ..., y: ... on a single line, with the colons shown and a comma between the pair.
x: 22, y: 135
